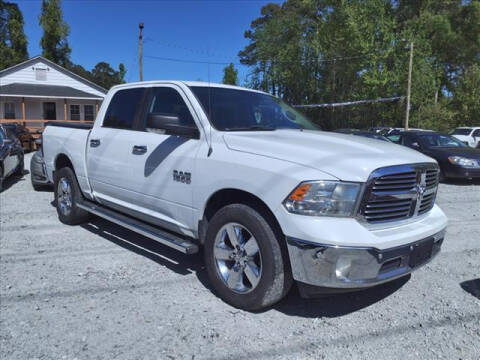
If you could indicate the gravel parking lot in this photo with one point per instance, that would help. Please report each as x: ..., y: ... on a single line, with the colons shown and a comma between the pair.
x: 98, y: 291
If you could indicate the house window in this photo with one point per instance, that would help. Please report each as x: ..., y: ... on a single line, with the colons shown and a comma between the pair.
x: 9, y: 110
x: 88, y: 112
x: 74, y: 112
x: 40, y: 74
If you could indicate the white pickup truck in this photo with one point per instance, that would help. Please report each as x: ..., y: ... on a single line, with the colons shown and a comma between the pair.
x: 269, y: 197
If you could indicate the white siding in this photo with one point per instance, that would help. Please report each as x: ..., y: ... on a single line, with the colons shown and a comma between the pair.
x: 26, y: 75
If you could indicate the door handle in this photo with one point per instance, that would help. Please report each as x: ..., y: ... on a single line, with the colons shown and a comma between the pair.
x: 139, y: 149
x: 94, y: 142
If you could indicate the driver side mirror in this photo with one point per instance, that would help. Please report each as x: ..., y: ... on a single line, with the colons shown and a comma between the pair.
x: 415, y: 145
x: 171, y: 124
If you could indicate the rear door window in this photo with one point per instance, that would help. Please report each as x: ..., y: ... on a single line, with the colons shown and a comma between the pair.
x: 124, y: 108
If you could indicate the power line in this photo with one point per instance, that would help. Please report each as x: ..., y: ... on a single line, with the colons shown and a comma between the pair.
x: 350, y: 103
x: 241, y: 64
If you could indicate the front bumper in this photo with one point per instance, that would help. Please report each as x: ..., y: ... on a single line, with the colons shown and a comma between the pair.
x: 353, y: 267
x: 461, y: 172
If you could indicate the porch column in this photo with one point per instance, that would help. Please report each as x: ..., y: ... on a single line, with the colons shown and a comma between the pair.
x: 23, y: 111
x: 65, y: 109
x: 96, y: 108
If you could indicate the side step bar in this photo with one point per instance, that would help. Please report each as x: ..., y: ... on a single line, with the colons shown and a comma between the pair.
x: 176, y: 242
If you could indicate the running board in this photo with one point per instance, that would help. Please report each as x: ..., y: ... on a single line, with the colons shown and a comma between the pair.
x: 175, y: 242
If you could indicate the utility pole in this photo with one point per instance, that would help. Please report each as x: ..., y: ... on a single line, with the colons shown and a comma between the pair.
x: 140, y: 51
x: 409, y: 86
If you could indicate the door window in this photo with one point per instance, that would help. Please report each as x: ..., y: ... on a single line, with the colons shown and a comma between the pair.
x: 88, y: 112
x: 123, y: 109
x: 411, y: 141
x: 168, y: 101
x: 49, y: 111
x: 476, y: 133
x: 74, y: 112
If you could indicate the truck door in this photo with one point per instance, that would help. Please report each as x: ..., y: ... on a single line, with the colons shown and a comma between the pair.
x: 163, y: 164
x: 109, y: 147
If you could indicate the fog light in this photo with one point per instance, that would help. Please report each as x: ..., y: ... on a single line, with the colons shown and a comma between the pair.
x: 342, y: 268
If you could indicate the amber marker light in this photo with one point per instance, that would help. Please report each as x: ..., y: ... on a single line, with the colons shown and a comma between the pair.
x: 299, y: 193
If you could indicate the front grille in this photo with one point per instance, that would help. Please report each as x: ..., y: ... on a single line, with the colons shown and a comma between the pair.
x: 399, y: 192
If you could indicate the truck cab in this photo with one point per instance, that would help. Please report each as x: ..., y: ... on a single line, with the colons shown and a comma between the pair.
x: 271, y: 199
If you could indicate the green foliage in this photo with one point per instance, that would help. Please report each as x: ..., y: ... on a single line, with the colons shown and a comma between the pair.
x: 55, y: 32
x: 466, y: 100
x: 103, y: 75
x: 325, y: 51
x: 13, y: 42
x: 230, y: 75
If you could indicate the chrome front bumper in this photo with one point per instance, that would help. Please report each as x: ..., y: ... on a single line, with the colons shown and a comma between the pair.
x: 358, y: 267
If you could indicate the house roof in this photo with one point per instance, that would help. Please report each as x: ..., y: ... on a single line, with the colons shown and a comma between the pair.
x: 45, y: 91
x: 38, y: 58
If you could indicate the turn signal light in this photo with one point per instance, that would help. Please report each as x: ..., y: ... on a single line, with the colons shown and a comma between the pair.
x: 299, y: 193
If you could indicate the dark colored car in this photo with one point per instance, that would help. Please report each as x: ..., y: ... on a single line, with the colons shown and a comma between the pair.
x: 456, y: 159
x: 22, y: 133
x: 367, y: 134
x: 11, y: 155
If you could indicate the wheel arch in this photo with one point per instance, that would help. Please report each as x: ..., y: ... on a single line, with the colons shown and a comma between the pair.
x: 228, y: 196
x: 62, y: 160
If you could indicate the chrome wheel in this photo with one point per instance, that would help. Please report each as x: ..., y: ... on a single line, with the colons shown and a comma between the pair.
x: 64, y: 196
x: 238, y: 258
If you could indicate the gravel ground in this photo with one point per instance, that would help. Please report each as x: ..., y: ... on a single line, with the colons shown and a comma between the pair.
x: 98, y: 291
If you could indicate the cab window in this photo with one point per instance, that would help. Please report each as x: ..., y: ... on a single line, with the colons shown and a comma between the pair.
x: 167, y: 101
x: 123, y: 109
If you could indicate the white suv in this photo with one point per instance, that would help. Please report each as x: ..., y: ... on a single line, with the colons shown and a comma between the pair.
x: 468, y: 135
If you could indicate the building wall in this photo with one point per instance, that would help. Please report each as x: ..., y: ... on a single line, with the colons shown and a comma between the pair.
x: 27, y: 75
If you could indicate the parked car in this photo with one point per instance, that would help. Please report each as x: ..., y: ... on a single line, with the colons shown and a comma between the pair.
x: 270, y: 198
x: 366, y: 134
x: 22, y: 133
x: 468, y: 135
x: 11, y: 155
x: 456, y: 159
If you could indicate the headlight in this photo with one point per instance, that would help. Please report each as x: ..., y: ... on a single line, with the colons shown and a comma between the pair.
x: 323, y: 198
x: 463, y: 162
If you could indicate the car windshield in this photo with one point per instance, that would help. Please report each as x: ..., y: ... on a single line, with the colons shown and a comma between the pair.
x: 241, y: 110
x: 437, y: 140
x: 461, y: 131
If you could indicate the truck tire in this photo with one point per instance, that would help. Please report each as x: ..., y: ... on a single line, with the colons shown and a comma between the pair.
x: 67, y: 195
x: 244, y: 259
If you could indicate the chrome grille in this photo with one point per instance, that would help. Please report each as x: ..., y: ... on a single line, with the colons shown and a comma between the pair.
x: 399, y: 192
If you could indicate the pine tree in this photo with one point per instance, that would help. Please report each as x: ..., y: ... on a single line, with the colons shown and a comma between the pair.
x: 55, y: 32
x: 230, y: 75
x: 13, y: 42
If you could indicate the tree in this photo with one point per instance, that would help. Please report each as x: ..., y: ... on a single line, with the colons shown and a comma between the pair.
x: 104, y: 75
x: 230, y: 75
x: 326, y: 51
x: 13, y: 42
x: 55, y: 32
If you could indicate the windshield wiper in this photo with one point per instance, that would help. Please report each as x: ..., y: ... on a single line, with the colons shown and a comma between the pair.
x: 251, y: 128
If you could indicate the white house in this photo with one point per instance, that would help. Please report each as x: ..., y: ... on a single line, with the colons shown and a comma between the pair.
x: 39, y: 90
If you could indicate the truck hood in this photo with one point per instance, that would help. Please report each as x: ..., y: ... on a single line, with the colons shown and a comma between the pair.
x: 346, y: 157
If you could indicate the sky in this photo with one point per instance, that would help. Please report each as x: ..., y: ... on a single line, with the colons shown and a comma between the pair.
x: 189, y: 30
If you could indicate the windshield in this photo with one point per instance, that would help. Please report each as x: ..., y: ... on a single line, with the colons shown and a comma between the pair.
x: 437, y: 140
x: 461, y: 132
x: 237, y: 110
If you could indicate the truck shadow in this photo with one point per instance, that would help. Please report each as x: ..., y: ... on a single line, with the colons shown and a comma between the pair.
x: 293, y: 304
x: 163, y: 255
x: 340, y: 304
